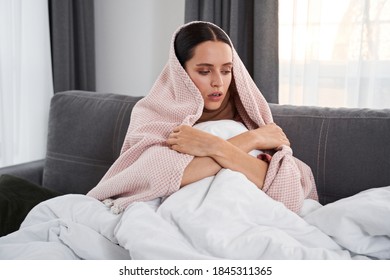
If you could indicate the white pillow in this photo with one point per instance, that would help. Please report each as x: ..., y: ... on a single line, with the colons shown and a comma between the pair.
x: 360, y: 223
x: 225, y: 129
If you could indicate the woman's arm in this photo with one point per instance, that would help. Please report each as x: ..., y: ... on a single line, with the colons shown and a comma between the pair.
x: 199, y: 168
x: 213, y: 153
x: 232, y: 157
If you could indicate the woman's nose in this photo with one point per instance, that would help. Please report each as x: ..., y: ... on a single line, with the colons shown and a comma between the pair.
x: 217, y: 80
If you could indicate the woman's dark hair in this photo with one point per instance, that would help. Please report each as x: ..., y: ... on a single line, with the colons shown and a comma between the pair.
x: 192, y: 35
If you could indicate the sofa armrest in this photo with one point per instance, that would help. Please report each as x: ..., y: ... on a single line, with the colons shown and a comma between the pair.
x: 30, y: 171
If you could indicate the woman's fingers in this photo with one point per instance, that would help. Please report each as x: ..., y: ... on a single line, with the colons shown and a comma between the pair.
x: 271, y: 136
x: 189, y: 140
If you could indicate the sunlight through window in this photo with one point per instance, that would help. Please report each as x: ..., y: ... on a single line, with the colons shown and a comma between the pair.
x: 335, y: 53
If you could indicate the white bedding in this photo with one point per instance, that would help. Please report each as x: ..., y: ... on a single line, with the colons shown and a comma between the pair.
x: 220, y: 217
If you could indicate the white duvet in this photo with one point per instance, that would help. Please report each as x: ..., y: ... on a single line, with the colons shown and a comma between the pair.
x: 220, y: 217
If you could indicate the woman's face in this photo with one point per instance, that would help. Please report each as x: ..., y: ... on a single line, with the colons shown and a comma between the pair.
x: 211, y: 71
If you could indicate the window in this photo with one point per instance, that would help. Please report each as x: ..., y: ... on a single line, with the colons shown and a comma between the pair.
x: 25, y: 80
x: 335, y: 53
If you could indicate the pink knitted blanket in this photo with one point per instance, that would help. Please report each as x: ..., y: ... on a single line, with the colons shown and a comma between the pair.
x: 147, y: 168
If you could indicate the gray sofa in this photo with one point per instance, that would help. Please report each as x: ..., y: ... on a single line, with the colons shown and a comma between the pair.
x: 347, y: 149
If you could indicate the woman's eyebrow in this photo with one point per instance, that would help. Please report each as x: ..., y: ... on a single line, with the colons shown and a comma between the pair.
x: 212, y: 65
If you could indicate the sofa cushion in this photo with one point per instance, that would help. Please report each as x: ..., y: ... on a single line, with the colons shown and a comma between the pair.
x: 347, y: 149
x: 17, y: 198
x: 86, y: 132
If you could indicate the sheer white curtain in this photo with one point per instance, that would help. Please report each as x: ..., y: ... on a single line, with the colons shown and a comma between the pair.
x: 334, y: 53
x: 25, y: 80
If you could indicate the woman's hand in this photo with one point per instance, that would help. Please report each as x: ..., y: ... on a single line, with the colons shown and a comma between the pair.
x: 270, y: 136
x: 211, y: 153
x: 188, y: 140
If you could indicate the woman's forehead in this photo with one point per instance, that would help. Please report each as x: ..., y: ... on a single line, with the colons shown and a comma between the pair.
x: 213, y: 52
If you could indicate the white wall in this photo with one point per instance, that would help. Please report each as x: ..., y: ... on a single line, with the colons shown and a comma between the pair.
x: 132, y: 42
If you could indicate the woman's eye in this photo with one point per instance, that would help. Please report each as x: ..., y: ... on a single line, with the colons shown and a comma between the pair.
x: 226, y: 72
x: 204, y: 72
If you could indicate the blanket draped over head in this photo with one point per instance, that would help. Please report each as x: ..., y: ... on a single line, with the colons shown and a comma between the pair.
x: 147, y: 168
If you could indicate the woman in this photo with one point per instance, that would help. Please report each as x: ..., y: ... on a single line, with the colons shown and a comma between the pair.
x: 204, y: 80
x: 205, y: 52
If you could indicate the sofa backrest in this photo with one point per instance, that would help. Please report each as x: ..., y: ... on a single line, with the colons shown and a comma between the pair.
x: 85, y: 136
x: 347, y: 149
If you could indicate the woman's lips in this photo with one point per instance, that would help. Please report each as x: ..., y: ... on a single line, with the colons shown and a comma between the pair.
x: 215, y: 96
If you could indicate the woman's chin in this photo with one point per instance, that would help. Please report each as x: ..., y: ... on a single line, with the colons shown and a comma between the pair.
x: 213, y: 106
